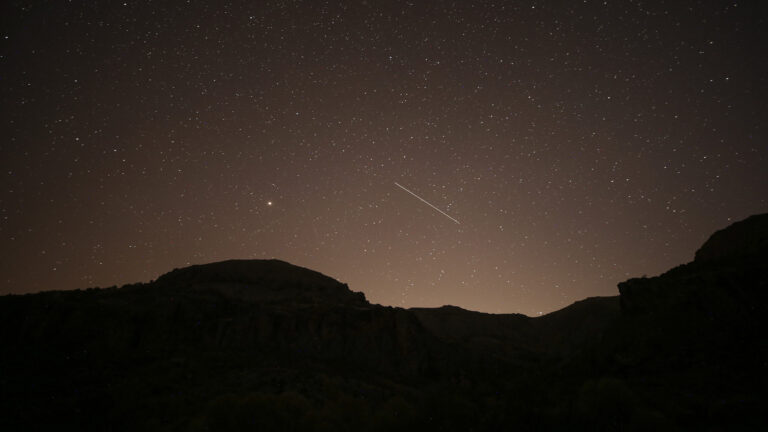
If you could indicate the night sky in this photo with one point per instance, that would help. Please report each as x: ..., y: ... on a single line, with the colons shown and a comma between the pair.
x: 576, y: 143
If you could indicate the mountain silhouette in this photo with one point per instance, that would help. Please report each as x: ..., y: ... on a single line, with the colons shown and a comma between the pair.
x: 266, y: 345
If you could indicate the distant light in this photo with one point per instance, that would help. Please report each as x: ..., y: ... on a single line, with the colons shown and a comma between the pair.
x: 269, y: 203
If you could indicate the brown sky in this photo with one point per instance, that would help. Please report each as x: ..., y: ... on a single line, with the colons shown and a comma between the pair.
x: 577, y: 143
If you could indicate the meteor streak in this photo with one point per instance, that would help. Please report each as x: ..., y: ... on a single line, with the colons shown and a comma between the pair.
x: 425, y: 202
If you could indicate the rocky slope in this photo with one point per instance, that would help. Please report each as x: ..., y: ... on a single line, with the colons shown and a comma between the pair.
x: 244, y: 345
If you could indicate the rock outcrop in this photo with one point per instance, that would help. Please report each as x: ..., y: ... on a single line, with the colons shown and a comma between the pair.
x: 263, y: 280
x: 728, y: 276
x: 747, y: 239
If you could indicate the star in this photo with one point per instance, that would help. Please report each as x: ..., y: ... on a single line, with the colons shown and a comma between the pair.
x: 559, y: 150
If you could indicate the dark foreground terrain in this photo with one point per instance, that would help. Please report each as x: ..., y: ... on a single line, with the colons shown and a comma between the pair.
x: 265, y: 345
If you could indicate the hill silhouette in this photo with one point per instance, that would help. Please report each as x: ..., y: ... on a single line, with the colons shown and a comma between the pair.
x: 266, y: 345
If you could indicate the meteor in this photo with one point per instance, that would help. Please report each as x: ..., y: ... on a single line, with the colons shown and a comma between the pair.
x: 425, y: 202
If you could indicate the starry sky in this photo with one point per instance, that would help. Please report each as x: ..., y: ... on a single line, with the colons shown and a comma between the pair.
x: 575, y: 143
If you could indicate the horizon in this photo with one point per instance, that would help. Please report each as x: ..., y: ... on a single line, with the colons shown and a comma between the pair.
x: 352, y: 288
x: 502, y: 158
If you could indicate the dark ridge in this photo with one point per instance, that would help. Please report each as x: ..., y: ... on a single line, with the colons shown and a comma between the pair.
x: 741, y: 239
x: 728, y: 271
x: 452, y: 322
x: 263, y: 344
x: 575, y: 327
x: 262, y: 280
x: 247, y: 271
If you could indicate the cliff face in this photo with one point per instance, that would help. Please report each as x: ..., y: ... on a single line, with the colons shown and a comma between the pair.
x: 248, y: 343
